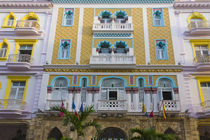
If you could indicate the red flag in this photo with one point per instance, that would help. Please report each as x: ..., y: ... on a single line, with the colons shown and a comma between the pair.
x: 76, y: 114
x: 62, y: 106
x: 151, y: 114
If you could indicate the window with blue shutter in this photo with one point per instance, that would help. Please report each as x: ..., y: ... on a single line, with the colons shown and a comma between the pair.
x: 161, y: 49
x: 64, y: 49
x: 157, y: 14
x: 68, y: 17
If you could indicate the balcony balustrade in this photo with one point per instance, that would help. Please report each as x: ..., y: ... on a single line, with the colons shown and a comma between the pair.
x: 207, y: 104
x: 170, y: 105
x: 112, y: 105
x: 112, y: 61
x: 128, y: 27
x: 10, y: 107
x: 19, y: 62
x: 202, y: 59
x: 27, y: 27
x: 198, y: 28
x: 51, y: 103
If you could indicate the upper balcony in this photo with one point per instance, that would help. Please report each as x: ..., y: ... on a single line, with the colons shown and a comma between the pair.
x: 19, y: 62
x: 115, y: 106
x: 196, y: 28
x: 113, y: 61
x: 13, y: 107
x: 202, y: 62
x: 28, y: 27
x: 170, y: 105
x: 112, y: 27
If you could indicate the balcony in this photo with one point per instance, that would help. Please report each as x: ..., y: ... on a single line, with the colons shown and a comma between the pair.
x: 202, y: 62
x: 19, y: 62
x: 170, y: 105
x: 112, y: 106
x: 28, y: 27
x: 116, y: 61
x: 207, y: 104
x: 198, y: 28
x: 13, y: 107
x: 51, y: 103
x: 112, y: 27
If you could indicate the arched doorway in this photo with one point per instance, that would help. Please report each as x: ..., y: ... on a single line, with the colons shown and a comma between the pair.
x: 55, y: 133
x: 112, y: 133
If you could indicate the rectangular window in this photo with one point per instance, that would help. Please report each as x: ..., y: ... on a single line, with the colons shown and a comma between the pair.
x: 64, y: 49
x: 205, y: 86
x: 3, y: 50
x: 161, y: 49
x: 157, y: 14
x: 17, y: 90
x: 68, y: 17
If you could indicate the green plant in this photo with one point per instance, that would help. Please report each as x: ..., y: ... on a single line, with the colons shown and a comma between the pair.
x: 149, y: 134
x: 78, y: 123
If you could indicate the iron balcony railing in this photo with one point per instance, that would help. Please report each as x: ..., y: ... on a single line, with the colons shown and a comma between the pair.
x: 13, y: 104
x: 113, y: 26
x: 28, y: 24
x: 19, y: 58
x: 202, y: 59
x: 199, y: 24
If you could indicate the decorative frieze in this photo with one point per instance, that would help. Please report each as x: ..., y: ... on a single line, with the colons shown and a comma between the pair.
x: 192, y: 5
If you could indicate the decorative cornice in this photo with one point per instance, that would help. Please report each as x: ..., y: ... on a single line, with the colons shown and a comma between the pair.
x: 28, y: 5
x: 86, y: 68
x: 111, y: 1
x: 192, y: 5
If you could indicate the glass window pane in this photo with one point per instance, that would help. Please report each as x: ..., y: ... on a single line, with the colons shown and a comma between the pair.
x: 20, y: 93
x: 203, y: 84
x: 12, y: 93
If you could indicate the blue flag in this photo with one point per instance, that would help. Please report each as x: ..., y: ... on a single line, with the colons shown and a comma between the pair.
x: 73, y: 106
x: 81, y: 108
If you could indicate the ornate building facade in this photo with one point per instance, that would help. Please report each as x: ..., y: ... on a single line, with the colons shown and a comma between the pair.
x: 115, y: 55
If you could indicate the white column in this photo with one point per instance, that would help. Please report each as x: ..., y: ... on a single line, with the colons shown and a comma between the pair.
x: 96, y: 98
x: 77, y: 100
x: 156, y: 102
x: 129, y: 101
x: 69, y: 100
x: 146, y: 34
x: 89, y: 99
x: 147, y: 101
x: 79, y: 37
x: 136, y: 101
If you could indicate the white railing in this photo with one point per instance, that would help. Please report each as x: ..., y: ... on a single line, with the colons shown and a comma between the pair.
x: 113, y: 26
x: 111, y: 105
x: 52, y: 103
x: 113, y: 59
x: 136, y: 107
x: 207, y: 104
x: 202, y: 59
x: 199, y: 24
x: 13, y: 104
x: 170, y: 105
x: 20, y: 58
x: 28, y: 24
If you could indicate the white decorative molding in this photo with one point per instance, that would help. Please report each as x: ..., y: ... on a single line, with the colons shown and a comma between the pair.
x: 192, y: 5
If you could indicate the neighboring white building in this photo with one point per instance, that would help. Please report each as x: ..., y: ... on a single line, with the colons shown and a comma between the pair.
x: 24, y: 31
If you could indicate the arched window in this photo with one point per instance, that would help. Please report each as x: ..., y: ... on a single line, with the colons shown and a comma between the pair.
x: 121, y: 47
x: 165, y: 88
x: 55, y: 133
x: 121, y: 17
x: 169, y: 131
x: 64, y: 49
x: 10, y: 21
x: 112, y: 89
x: 141, y: 89
x: 196, y: 20
x: 60, y: 89
x: 3, y: 50
x: 112, y: 133
x: 84, y: 90
x: 104, y: 47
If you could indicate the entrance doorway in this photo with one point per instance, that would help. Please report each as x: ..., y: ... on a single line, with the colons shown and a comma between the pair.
x: 112, y: 133
x: 112, y: 95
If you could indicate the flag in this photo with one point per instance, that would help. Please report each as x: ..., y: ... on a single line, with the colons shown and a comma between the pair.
x: 81, y: 108
x: 76, y: 114
x: 144, y: 109
x: 164, y: 112
x: 73, y: 106
x: 62, y: 106
x: 151, y: 114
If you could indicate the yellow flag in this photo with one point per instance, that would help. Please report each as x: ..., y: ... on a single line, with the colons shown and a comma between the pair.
x: 144, y: 107
x: 164, y: 112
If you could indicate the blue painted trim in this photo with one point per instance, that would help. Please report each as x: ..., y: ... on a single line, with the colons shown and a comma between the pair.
x: 148, y: 79
x: 60, y: 49
x: 165, y: 50
x: 63, y: 18
x: 129, y: 79
x: 111, y: 1
x: 54, y: 79
x: 73, y: 79
x: 92, y: 80
x: 86, y: 79
x: 172, y: 80
x: 137, y: 81
x: 101, y: 80
x: 161, y: 19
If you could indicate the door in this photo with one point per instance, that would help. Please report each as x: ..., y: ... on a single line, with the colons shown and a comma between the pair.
x: 112, y: 95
